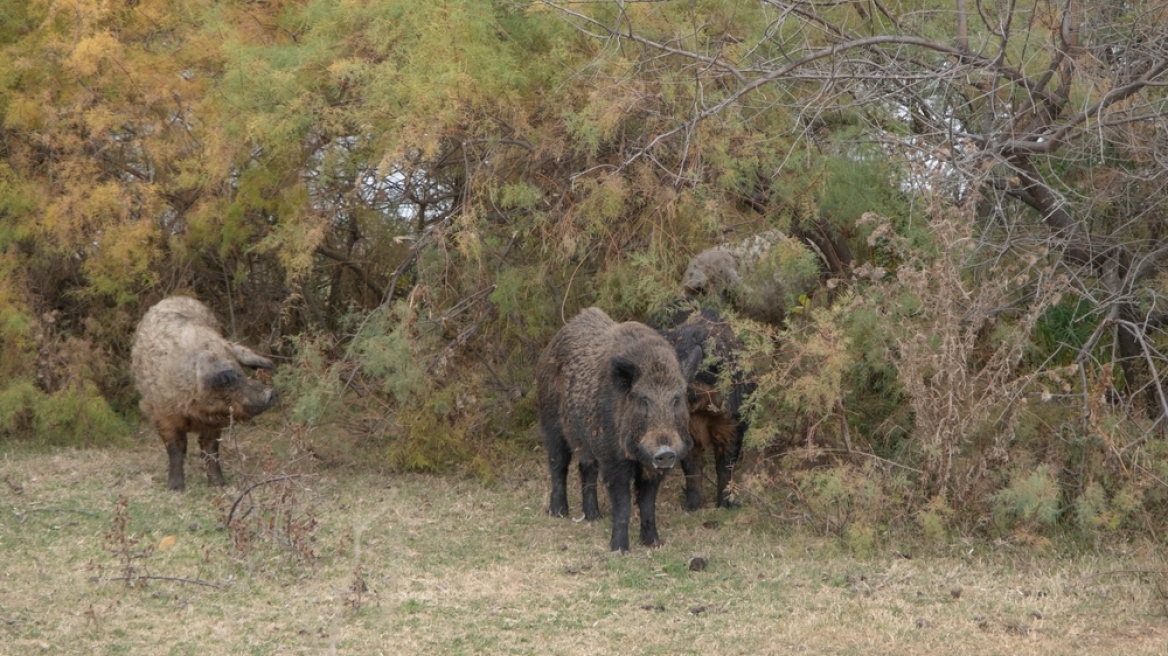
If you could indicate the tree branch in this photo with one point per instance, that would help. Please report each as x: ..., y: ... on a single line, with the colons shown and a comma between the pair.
x: 1050, y: 142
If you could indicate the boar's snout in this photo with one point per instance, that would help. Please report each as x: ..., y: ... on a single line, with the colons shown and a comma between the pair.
x: 258, y: 402
x: 662, y: 451
x: 665, y: 458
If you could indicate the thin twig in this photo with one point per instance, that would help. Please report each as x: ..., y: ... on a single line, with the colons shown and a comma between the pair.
x: 177, y: 579
x: 460, y: 339
x: 61, y: 510
x: 1126, y: 571
x: 247, y: 490
x: 874, y: 457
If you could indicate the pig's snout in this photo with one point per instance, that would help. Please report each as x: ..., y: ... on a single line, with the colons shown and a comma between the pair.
x: 665, y: 458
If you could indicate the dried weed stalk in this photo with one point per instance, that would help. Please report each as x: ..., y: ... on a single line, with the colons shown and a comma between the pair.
x: 960, y: 324
x: 130, y: 557
x: 271, y: 511
x: 125, y: 547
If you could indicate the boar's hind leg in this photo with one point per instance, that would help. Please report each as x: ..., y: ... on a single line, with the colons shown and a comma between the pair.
x: 176, y: 451
x: 209, y: 444
x: 727, y: 449
x: 559, y: 456
x: 647, y: 486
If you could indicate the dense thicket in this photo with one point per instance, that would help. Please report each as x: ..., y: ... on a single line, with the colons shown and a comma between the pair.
x: 404, y: 200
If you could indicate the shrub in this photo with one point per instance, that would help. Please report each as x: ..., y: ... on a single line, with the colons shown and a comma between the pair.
x: 956, y: 355
x: 1029, y: 504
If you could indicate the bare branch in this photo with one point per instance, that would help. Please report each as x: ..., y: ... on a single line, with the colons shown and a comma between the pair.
x: 1051, y: 142
x: 712, y: 61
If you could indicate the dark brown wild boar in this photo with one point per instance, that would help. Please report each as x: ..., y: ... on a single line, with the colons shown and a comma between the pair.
x: 717, y: 395
x: 192, y: 381
x: 615, y: 395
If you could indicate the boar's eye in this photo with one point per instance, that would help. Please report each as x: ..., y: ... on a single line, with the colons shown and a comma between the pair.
x: 222, y: 378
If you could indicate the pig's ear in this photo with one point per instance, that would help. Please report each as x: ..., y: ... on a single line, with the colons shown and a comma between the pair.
x: 249, y: 358
x: 689, y: 366
x: 624, y: 373
x: 214, y: 372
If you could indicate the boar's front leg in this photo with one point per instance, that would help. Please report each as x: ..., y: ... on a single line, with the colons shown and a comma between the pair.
x: 617, y: 481
x: 725, y: 458
x: 692, y: 466
x: 209, y: 443
x: 648, y: 482
x: 175, y: 441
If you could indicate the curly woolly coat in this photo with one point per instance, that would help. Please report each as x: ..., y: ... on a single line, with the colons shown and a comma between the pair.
x: 192, y: 380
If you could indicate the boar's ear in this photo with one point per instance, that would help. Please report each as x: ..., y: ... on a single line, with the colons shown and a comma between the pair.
x: 249, y: 358
x: 689, y: 366
x: 624, y: 373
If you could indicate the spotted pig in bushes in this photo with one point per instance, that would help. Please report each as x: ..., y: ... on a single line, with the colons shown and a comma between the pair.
x: 192, y: 380
x: 615, y: 396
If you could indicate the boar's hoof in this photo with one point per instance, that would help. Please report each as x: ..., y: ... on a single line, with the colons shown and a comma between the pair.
x: 665, y: 458
x: 694, y: 500
x: 215, y: 475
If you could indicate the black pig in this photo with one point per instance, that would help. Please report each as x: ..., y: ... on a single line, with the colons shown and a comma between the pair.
x: 615, y: 395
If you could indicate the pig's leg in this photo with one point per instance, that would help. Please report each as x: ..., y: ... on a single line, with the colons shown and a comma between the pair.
x: 647, y: 484
x: 559, y: 456
x: 617, y: 481
x: 175, y: 441
x: 589, y: 471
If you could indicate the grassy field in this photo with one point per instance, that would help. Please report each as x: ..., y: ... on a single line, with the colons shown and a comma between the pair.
x: 98, y: 558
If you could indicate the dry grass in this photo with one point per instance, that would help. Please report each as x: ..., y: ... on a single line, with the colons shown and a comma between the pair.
x: 442, y: 565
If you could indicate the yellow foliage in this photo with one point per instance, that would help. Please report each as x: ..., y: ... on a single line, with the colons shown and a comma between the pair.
x: 613, y: 105
x: 24, y: 113
x: 105, y: 202
x: 123, y: 258
x: 100, y: 119
x: 296, y: 240
x: 92, y: 51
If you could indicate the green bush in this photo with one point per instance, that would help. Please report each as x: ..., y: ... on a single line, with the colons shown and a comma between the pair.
x: 1030, y: 504
x: 76, y: 415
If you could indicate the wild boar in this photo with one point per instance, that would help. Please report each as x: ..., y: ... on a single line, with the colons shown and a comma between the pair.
x: 615, y: 395
x: 716, y: 397
x: 761, y: 277
x: 192, y: 381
